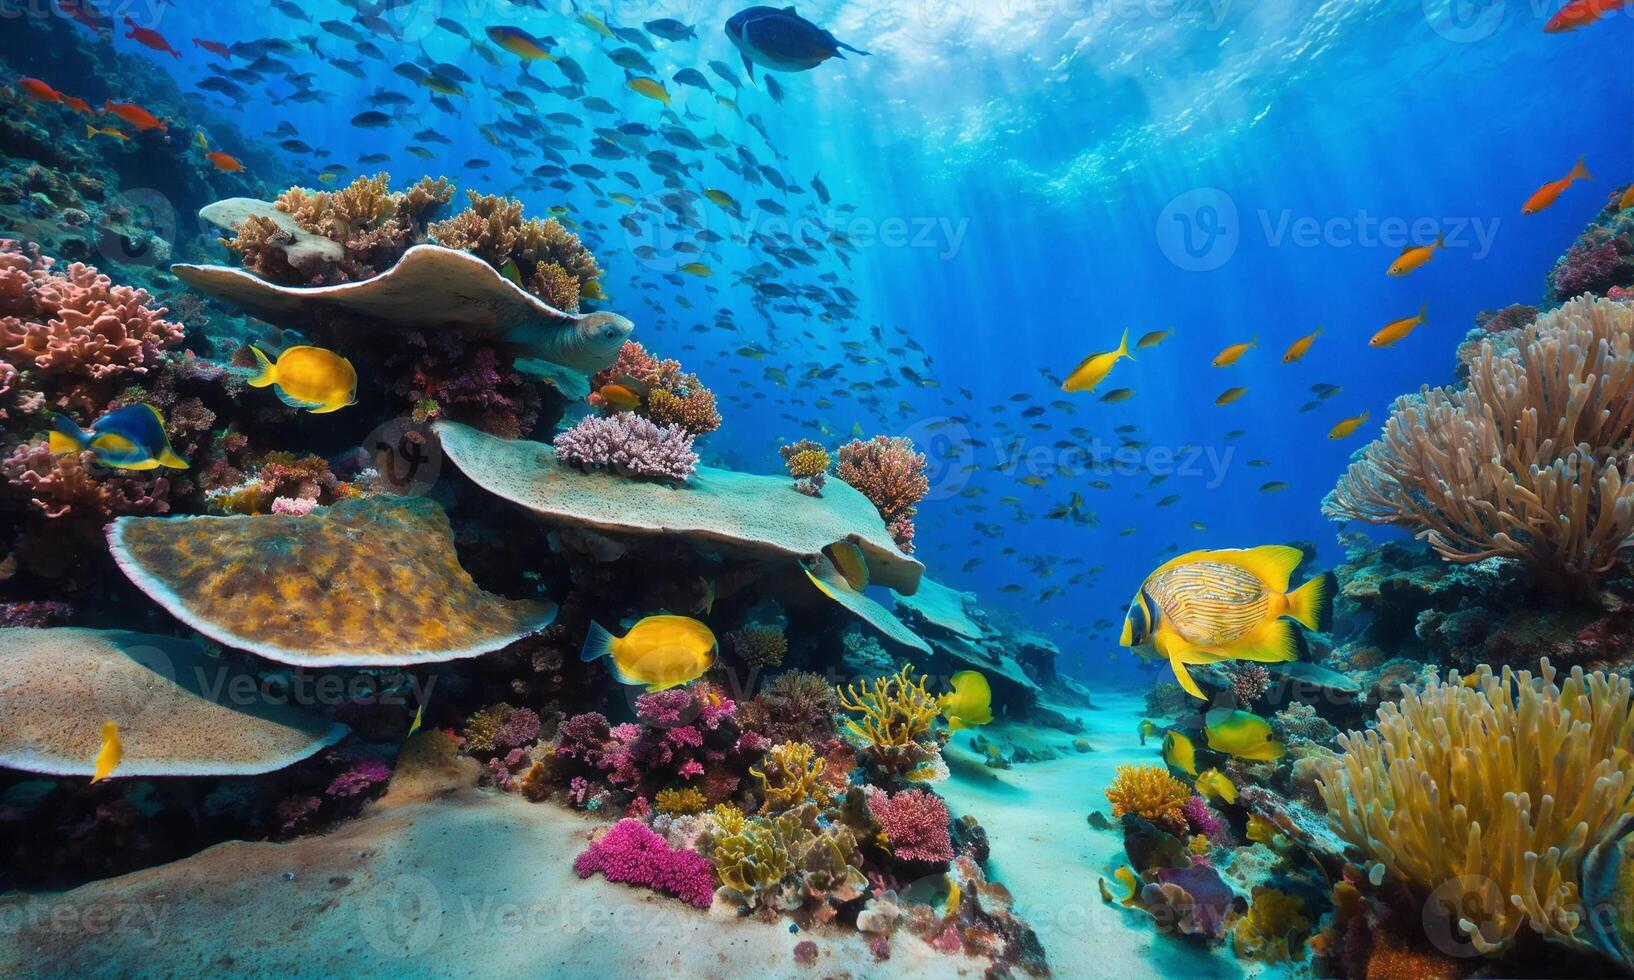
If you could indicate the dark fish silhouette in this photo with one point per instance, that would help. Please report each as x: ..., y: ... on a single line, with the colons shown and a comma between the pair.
x: 782, y: 40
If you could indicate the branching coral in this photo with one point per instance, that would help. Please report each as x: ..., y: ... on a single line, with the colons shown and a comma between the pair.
x: 549, y: 259
x: 373, y: 225
x: 630, y: 446
x: 1495, y: 789
x: 667, y: 395
x: 915, y: 824
x: 759, y: 646
x: 679, y: 801
x: 1151, y: 793
x: 447, y: 378
x: 789, y: 775
x: 808, y: 462
x: 891, y: 474
x: 1248, y: 682
x: 632, y: 854
x: 795, y: 707
x: 897, y: 714
x: 75, y: 485
x: 1534, y: 460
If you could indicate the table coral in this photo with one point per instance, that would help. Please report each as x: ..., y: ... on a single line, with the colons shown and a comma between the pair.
x: 891, y: 474
x: 629, y: 445
x: 630, y: 853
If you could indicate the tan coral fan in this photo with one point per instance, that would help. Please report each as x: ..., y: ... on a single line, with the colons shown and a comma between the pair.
x: 757, y: 516
x: 363, y: 582
x: 179, y: 712
x: 1533, y: 460
x: 1496, y: 791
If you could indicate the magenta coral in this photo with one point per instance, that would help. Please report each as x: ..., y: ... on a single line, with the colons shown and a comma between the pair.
x: 1586, y: 268
x: 630, y: 853
x: 891, y: 474
x: 519, y: 728
x: 359, y: 778
x: 915, y: 823
x: 629, y: 445
x: 1200, y: 818
x: 667, y: 709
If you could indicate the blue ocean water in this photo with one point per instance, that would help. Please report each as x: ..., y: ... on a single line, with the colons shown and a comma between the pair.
x: 1021, y: 183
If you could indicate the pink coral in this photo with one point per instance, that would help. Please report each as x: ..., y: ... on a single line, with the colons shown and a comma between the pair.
x: 74, y: 485
x: 1585, y: 268
x: 891, y: 474
x: 480, y: 387
x: 359, y: 778
x: 915, y: 823
x: 293, y: 506
x: 1200, y: 818
x: 667, y: 709
x: 632, y: 854
x: 630, y: 445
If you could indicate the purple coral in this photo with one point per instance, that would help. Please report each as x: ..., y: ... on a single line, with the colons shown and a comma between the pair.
x: 519, y: 728
x: 629, y: 445
x: 667, y: 709
x: 632, y: 854
x: 1201, y: 819
x: 359, y: 778
x: 1586, y: 268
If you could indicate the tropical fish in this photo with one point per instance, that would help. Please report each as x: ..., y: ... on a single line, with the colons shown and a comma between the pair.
x: 1242, y: 734
x: 721, y: 198
x: 671, y: 29
x: 91, y: 131
x: 39, y: 91
x: 619, y: 397
x: 651, y: 88
x: 848, y: 560
x: 1302, y: 346
x: 519, y: 42
x: 660, y: 652
x: 1273, y: 486
x: 1215, y: 784
x: 129, y: 438
x: 134, y: 114
x: 214, y: 47
x: 697, y: 269
x: 1548, y: 193
x: 110, y: 754
x: 970, y: 703
x: 1118, y: 395
x: 1396, y: 330
x: 1627, y: 200
x: 1147, y: 729
x: 1344, y: 427
x: 1179, y: 752
x: 78, y: 105
x: 1230, y: 395
x: 1581, y: 13
x: 1094, y: 368
x: 310, y: 378
x: 1234, y: 353
x: 782, y: 40
x: 150, y: 39
x: 224, y: 162
x: 1204, y: 607
x: 1152, y: 339
x: 1414, y: 256
x: 419, y: 718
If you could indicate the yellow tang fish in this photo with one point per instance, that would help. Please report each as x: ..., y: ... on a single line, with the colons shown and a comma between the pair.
x: 112, y: 752
x: 651, y: 88
x: 1414, y: 256
x: 1344, y: 427
x: 660, y: 652
x: 1096, y: 367
x: 1178, y: 751
x: 1204, y: 607
x: 1242, y: 734
x: 1302, y: 346
x: 1230, y: 395
x: 1234, y: 353
x: 1217, y: 785
x: 970, y: 703
x: 1397, y: 329
x: 312, y: 378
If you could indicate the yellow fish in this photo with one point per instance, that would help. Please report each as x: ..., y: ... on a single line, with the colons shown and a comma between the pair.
x: 129, y: 438
x: 970, y: 703
x: 1229, y: 604
x: 108, y: 757
x: 419, y: 716
x: 650, y: 88
x: 850, y: 563
x: 660, y: 652
x: 91, y: 131
x: 1344, y: 427
x: 1126, y: 877
x: 697, y: 269
x: 1096, y: 367
x: 722, y: 198
x: 1230, y: 395
x: 1242, y: 734
x: 312, y: 378
x: 1414, y: 256
x: 1152, y: 339
x: 1215, y: 784
x: 1627, y: 200
x: 1147, y: 729
x: 1302, y: 346
x: 1397, y: 329
x: 1178, y: 751
x: 595, y: 23
x: 1234, y: 353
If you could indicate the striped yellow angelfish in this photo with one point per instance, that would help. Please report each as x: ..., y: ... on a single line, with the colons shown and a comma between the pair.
x: 1228, y: 604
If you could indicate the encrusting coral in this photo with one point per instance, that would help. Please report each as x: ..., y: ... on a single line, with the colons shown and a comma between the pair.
x: 1531, y: 461
x: 548, y: 260
x: 891, y: 474
x: 628, y: 445
x: 1495, y: 786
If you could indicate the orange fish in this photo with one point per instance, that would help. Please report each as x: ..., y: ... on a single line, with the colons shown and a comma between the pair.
x: 135, y: 115
x: 38, y: 90
x: 214, y: 47
x: 1627, y: 200
x: 225, y: 163
x: 1546, y: 195
x: 150, y: 39
x: 1581, y: 13
x: 619, y: 397
x: 78, y: 105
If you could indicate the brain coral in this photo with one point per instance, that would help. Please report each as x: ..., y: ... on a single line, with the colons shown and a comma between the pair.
x: 367, y: 581
x: 59, y: 686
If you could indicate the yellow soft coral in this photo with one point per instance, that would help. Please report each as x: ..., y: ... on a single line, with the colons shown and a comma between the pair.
x: 895, y: 710
x: 679, y: 801
x: 755, y: 860
x: 1495, y: 783
x: 1275, y: 928
x: 728, y: 818
x: 1151, y: 793
x: 791, y: 774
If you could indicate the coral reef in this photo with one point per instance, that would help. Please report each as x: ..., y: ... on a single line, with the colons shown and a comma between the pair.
x: 657, y: 389
x: 549, y: 261
x: 1600, y: 261
x: 759, y: 646
x: 1528, y: 461
x: 1149, y: 792
x: 632, y: 854
x: 915, y: 824
x: 891, y: 474
x: 628, y: 445
x: 808, y: 463
x: 896, y: 720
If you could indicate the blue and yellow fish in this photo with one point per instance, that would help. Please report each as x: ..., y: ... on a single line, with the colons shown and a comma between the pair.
x: 129, y: 438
